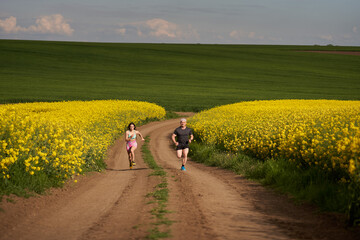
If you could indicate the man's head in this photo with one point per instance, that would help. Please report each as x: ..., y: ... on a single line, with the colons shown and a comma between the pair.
x: 183, y: 122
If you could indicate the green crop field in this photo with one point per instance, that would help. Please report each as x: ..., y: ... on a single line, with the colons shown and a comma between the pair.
x: 180, y: 77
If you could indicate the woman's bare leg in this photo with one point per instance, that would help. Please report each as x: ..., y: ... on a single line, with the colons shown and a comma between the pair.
x: 133, y: 153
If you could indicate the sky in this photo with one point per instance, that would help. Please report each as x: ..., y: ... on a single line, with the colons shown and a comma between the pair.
x: 290, y: 22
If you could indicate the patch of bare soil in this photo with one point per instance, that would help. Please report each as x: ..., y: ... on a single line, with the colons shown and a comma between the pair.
x: 185, y: 114
x: 205, y: 203
x: 336, y: 52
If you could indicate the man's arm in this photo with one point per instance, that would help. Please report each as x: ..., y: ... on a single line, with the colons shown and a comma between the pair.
x: 173, y: 139
x: 191, y: 138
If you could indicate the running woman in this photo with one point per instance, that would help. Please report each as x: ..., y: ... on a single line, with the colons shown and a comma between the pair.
x: 182, y: 143
x: 131, y: 144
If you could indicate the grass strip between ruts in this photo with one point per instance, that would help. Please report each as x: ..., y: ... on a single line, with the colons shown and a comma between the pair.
x: 159, y: 196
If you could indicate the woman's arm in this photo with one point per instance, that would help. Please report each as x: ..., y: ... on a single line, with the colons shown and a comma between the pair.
x: 126, y: 136
x: 142, y: 138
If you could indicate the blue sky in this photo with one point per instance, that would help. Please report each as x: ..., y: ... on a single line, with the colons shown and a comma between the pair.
x: 304, y: 22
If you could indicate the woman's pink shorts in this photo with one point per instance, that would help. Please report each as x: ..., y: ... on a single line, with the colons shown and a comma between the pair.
x: 130, y: 144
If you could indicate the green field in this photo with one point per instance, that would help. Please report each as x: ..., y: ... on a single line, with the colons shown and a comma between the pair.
x: 179, y: 77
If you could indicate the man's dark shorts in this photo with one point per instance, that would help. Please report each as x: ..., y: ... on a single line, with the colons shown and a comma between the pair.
x: 182, y: 146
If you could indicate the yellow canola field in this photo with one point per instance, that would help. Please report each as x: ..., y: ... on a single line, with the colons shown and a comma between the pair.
x: 62, y: 139
x: 321, y: 133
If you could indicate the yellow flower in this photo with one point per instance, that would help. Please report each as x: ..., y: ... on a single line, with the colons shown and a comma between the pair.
x: 321, y: 133
x: 352, y: 166
x: 50, y: 135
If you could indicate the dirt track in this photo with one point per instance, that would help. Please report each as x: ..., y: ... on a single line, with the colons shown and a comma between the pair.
x: 206, y: 203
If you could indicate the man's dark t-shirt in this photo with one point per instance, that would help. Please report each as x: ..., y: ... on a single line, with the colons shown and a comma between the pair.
x: 183, y: 135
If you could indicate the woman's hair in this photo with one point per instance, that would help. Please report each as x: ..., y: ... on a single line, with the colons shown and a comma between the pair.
x: 131, y: 124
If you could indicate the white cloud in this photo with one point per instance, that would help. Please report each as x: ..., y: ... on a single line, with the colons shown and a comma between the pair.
x: 9, y: 25
x: 190, y: 33
x: 234, y: 34
x: 122, y: 31
x: 355, y: 30
x: 275, y: 39
x: 253, y: 35
x: 54, y: 24
x: 139, y: 33
x: 327, y: 37
x: 238, y: 35
x: 220, y: 37
x: 160, y: 27
x: 157, y: 28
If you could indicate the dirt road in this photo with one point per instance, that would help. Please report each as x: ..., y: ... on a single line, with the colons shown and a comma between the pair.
x: 206, y: 203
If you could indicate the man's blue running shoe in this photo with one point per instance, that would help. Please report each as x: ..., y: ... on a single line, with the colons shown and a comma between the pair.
x: 183, y: 168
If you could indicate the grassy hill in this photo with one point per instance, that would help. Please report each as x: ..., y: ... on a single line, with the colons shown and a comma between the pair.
x: 187, y: 77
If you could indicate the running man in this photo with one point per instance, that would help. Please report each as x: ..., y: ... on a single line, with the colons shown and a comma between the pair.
x: 131, y: 144
x: 182, y: 143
